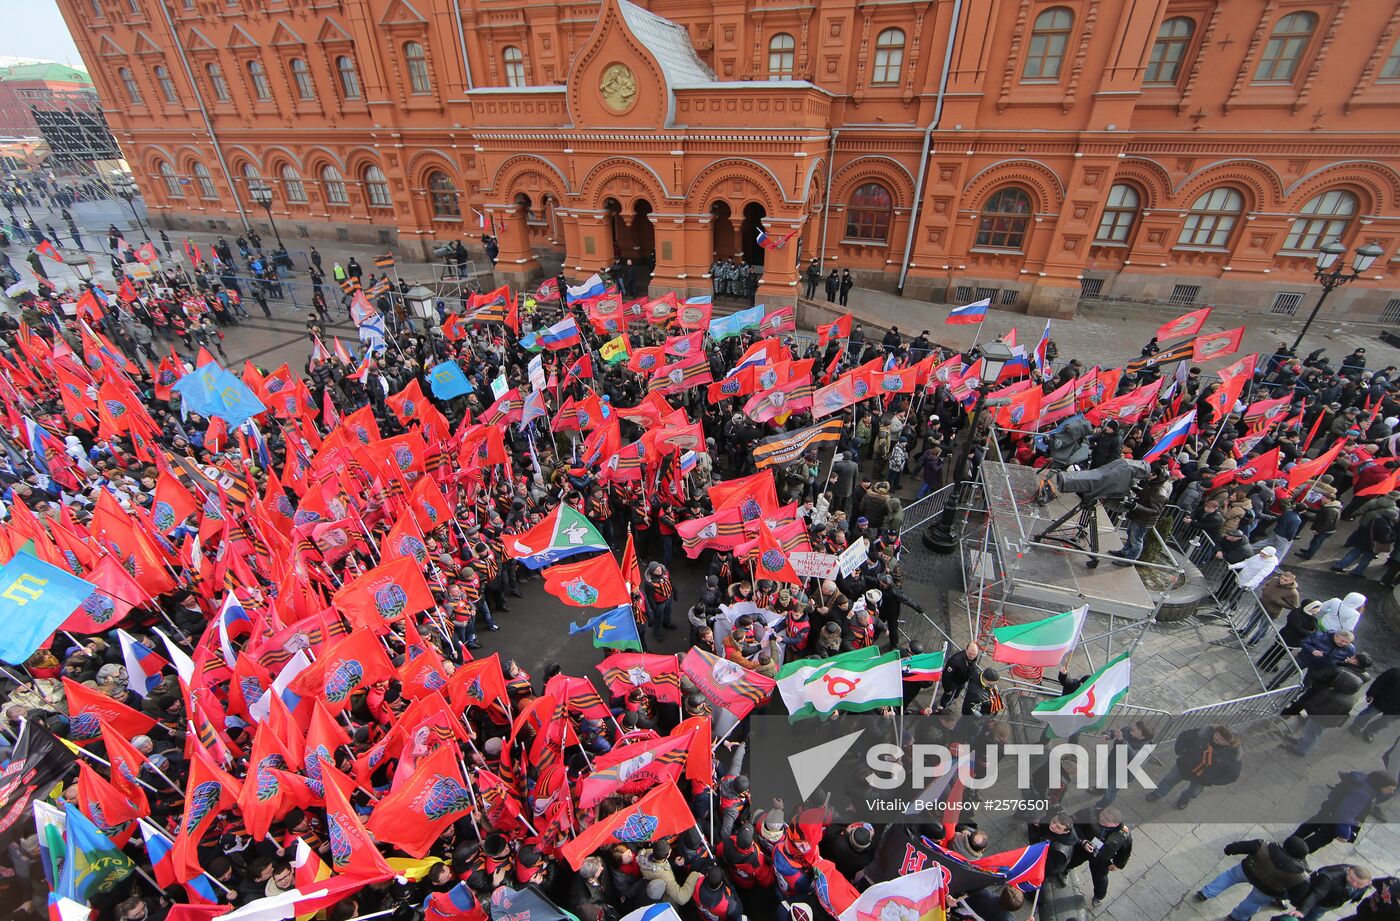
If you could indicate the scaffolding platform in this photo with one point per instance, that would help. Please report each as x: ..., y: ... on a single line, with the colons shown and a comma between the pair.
x: 1046, y: 575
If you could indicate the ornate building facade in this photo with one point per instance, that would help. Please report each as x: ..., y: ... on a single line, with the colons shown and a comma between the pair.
x: 1033, y: 151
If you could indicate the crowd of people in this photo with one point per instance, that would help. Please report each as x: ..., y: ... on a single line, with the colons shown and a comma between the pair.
x: 392, y: 504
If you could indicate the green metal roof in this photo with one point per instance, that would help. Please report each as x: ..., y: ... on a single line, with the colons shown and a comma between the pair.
x: 55, y: 73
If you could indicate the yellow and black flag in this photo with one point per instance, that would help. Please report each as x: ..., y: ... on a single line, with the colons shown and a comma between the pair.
x: 787, y: 448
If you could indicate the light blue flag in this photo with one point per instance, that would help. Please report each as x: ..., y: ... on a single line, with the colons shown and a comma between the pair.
x: 615, y: 629
x: 36, y: 598
x: 212, y: 391
x: 736, y: 323
x: 447, y: 381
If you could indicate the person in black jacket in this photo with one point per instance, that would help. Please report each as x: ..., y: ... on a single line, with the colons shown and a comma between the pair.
x: 833, y: 281
x: 1106, y: 446
x: 1346, y: 807
x: 1383, y: 904
x: 956, y: 672
x: 1330, y: 888
x: 1272, y: 870
x: 1205, y: 757
x: 1382, y: 703
x: 1105, y: 844
x: 983, y: 696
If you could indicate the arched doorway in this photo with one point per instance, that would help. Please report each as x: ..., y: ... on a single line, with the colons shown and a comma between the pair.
x: 643, y: 232
x: 722, y: 227
x: 612, y: 211
x: 754, y: 213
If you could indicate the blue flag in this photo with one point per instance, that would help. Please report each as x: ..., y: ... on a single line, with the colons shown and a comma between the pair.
x: 37, y: 598
x: 212, y: 391
x: 448, y: 381
x: 616, y: 629
x: 736, y: 323
x: 93, y: 864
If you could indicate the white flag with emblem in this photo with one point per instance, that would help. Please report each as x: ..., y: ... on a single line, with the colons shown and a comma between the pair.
x: 1087, y: 705
x: 855, y: 686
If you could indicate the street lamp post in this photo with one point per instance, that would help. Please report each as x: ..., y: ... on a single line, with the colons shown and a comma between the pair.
x: 939, y: 537
x: 261, y: 193
x: 1331, y: 258
x: 126, y: 188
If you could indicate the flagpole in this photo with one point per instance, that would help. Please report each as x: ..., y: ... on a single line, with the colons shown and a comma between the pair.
x: 79, y: 750
x: 32, y: 682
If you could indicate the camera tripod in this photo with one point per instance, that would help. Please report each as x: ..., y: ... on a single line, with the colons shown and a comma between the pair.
x: 1084, y: 528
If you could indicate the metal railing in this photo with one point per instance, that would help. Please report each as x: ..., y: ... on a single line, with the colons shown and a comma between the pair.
x: 1239, y: 607
x: 921, y: 511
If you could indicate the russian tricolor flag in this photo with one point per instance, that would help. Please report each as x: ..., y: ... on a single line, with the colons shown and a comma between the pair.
x: 230, y: 617
x: 142, y: 664
x: 591, y: 287
x: 975, y: 312
x: 561, y: 335
x: 1040, y: 360
x: 1175, y: 436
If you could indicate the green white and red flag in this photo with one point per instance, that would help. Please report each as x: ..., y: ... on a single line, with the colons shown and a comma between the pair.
x: 1041, y: 643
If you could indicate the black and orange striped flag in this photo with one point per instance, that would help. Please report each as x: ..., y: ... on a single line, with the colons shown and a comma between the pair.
x: 385, y: 261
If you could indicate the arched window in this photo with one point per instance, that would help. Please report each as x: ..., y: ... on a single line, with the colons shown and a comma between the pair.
x: 1119, y: 213
x: 889, y: 56
x: 258, y: 74
x: 1005, y: 218
x: 1212, y: 218
x: 1173, y: 39
x: 417, y: 61
x: 167, y: 85
x: 868, y: 214
x: 292, y: 186
x: 172, y: 182
x: 1390, y: 70
x: 349, y: 77
x: 514, y: 63
x: 301, y: 78
x: 1325, y: 217
x: 377, y: 188
x: 133, y: 92
x: 217, y: 81
x: 205, y: 181
x: 334, y: 184
x: 1046, y: 53
x: 443, y: 194
x: 1285, y: 49
x: 782, y: 54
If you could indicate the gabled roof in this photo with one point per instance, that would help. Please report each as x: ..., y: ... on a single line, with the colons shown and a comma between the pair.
x: 198, y: 41
x: 283, y: 34
x: 669, y: 43
x: 332, y: 32
x: 401, y: 12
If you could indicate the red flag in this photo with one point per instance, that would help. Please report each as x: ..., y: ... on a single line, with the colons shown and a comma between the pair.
x: 414, y: 816
x: 173, y: 503
x: 385, y: 594
x: 631, y: 569
x: 117, y: 593
x: 740, y: 383
x: 694, y: 315
x: 353, y: 664
x: 726, y: 684
x: 478, y: 683
x: 753, y: 495
x: 837, y: 396
x: 323, y: 736
x: 1217, y: 345
x: 422, y: 671
x: 112, y: 811
x: 352, y: 851
x: 659, y: 310
x: 1263, y: 467
x: 126, y: 764
x: 45, y: 248
x: 592, y: 583
x: 659, y: 676
x: 837, y: 329
x: 208, y: 792
x: 661, y: 813
x: 778, y: 320
x: 1303, y: 471
x: 1129, y: 407
x: 772, y: 561
x: 1233, y: 378
x: 90, y: 710
x: 1382, y: 487
x: 269, y: 790
x: 428, y: 504
x: 1022, y: 412
x: 1188, y: 324
x: 630, y: 769
x: 407, y: 401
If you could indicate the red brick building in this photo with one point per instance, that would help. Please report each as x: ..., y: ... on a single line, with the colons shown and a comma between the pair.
x: 44, y: 85
x: 1191, y: 151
